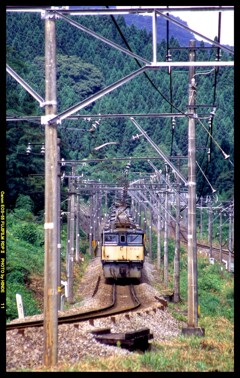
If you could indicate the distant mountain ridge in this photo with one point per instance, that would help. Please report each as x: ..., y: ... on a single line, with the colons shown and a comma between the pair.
x: 182, y: 35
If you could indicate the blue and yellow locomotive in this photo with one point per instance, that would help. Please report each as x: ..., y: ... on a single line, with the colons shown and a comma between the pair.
x: 123, y: 246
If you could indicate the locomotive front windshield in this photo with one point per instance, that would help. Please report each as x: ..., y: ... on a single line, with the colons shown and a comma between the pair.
x: 134, y: 239
x: 111, y: 239
x: 123, y: 239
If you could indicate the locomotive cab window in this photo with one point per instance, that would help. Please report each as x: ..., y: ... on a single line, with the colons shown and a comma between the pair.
x: 134, y: 239
x: 111, y: 239
x: 122, y: 239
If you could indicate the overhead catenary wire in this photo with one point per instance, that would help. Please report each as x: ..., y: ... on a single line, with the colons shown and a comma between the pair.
x: 168, y: 58
x: 216, y: 69
x: 146, y: 75
x: 224, y: 154
x: 213, y: 190
x: 218, y: 56
x: 170, y: 102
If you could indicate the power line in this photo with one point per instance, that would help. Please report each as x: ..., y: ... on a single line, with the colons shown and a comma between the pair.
x: 146, y: 75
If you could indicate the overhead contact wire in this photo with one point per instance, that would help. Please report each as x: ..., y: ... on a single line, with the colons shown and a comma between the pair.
x: 218, y: 56
x: 146, y: 75
x: 170, y: 82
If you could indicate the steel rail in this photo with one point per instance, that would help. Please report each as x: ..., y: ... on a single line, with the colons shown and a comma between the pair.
x: 66, y: 318
x: 79, y: 317
x: 183, y: 233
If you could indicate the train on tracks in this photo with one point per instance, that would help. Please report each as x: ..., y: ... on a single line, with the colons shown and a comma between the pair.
x: 123, y: 244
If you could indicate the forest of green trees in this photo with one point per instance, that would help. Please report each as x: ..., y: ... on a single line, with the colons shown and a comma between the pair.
x: 86, y: 65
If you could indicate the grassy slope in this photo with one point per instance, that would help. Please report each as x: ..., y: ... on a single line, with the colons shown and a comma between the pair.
x: 213, y: 352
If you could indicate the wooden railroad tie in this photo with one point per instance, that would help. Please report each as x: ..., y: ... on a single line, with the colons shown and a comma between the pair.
x: 134, y: 340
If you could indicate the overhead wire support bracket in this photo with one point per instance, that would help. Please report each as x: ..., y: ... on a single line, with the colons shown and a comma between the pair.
x: 159, y: 151
x: 126, y: 10
x: 124, y: 80
x: 25, y: 85
x: 195, y: 32
x: 45, y: 119
x: 103, y: 39
x: 96, y: 96
x: 162, y: 177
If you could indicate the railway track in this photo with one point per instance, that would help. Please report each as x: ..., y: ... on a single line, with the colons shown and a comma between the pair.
x: 123, y: 299
x: 205, y: 247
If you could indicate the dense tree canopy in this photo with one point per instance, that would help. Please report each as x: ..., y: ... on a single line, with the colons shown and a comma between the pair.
x: 86, y: 65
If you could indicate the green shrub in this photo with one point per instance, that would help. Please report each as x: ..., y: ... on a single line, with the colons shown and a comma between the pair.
x: 209, y: 282
x: 229, y: 293
x: 24, y: 202
x: 28, y: 232
x: 24, y: 257
x: 215, y: 288
x: 18, y: 275
x: 209, y: 303
x: 30, y: 306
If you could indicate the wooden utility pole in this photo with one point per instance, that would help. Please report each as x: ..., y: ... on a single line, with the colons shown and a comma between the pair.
x: 176, y: 283
x: 150, y: 235
x: 210, y: 212
x: 192, y: 239
x: 91, y: 223
x: 77, y: 258
x: 159, y: 234
x: 51, y: 206
x: 68, y: 235
x: 201, y: 204
x: 59, y: 224
x: 220, y: 234
x: 230, y: 241
x: 100, y: 206
x: 140, y: 214
x: 192, y: 242
x: 71, y: 245
x: 166, y: 232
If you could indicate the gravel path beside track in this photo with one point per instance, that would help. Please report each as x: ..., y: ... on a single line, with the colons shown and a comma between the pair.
x: 25, y: 350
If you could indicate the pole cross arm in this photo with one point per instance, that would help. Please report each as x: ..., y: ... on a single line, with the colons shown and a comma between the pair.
x: 103, y: 39
x: 96, y: 96
x: 162, y: 177
x: 175, y: 170
x: 158, y: 200
x: 195, y: 32
x: 119, y: 83
x: 25, y: 85
x: 140, y: 194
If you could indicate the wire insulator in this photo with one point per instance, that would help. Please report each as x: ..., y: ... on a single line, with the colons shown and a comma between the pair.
x: 29, y: 149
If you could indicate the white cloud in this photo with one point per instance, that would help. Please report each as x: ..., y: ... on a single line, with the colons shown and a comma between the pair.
x: 206, y: 23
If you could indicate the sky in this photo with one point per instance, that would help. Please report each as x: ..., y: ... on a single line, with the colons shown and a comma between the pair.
x: 206, y: 23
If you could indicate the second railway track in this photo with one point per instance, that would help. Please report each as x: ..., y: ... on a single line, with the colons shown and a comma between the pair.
x: 205, y: 247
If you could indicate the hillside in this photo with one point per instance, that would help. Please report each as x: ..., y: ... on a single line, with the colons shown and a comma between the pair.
x: 85, y: 66
x: 169, y: 352
x: 144, y: 22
